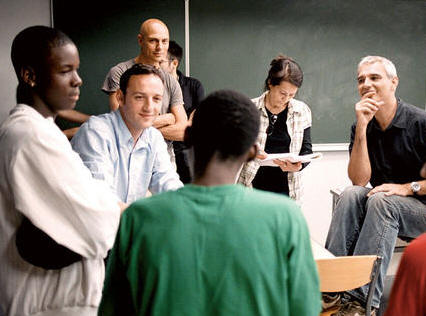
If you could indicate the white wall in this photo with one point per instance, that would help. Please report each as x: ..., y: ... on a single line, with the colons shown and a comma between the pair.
x: 318, y: 178
x: 15, y: 16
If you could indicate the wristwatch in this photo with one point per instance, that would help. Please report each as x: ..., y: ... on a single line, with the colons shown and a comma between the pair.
x: 415, y: 187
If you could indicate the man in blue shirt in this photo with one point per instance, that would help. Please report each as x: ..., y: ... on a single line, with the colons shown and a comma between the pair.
x: 122, y: 147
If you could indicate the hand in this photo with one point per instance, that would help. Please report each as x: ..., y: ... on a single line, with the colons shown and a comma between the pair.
x: 366, y: 108
x: 392, y: 189
x: 288, y: 166
x: 261, y: 154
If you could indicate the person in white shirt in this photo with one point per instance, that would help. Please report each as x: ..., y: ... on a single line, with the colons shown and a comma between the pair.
x: 44, y: 184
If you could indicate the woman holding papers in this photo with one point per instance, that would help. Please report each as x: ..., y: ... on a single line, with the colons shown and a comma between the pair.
x: 285, y: 128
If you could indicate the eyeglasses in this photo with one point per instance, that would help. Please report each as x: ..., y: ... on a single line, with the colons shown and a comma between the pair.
x: 272, y: 120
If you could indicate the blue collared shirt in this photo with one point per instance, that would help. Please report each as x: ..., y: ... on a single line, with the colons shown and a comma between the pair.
x: 106, y: 147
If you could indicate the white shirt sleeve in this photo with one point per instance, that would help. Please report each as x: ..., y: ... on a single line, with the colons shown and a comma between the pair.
x: 56, y: 192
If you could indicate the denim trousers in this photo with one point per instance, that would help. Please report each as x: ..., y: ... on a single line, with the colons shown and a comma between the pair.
x: 364, y: 225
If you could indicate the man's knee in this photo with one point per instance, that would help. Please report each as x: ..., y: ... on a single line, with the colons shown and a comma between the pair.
x: 382, y: 204
x: 353, y: 193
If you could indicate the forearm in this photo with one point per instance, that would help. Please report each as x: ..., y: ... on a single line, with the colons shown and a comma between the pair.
x: 73, y: 116
x: 70, y: 132
x: 359, y: 169
x: 164, y: 120
x: 174, y: 131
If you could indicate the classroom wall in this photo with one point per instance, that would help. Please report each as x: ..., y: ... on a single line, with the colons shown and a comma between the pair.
x: 318, y: 178
x: 15, y: 16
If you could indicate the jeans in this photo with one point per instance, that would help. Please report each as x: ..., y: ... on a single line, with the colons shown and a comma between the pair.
x: 364, y: 225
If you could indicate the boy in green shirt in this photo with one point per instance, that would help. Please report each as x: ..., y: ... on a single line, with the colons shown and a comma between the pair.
x: 214, y: 247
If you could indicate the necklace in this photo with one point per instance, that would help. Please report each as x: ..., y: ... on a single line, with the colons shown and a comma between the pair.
x: 272, y: 120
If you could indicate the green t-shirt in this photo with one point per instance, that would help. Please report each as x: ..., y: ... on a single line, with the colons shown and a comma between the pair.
x: 224, y: 250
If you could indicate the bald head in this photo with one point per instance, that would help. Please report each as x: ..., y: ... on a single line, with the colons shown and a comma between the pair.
x: 147, y: 24
x: 153, y: 40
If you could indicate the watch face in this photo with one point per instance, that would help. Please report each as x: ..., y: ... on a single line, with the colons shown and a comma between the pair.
x: 415, y: 187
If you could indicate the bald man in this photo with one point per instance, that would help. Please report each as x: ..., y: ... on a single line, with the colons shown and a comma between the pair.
x: 153, y: 39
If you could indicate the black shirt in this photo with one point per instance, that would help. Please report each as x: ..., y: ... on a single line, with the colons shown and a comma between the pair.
x: 193, y: 93
x: 273, y: 179
x: 398, y: 153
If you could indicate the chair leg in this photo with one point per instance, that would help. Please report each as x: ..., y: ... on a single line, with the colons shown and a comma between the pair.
x: 372, y: 286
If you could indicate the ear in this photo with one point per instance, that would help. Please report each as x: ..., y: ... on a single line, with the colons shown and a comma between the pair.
x: 395, y: 81
x: 175, y: 63
x: 28, y: 75
x: 120, y: 97
x: 252, y: 152
x: 140, y: 39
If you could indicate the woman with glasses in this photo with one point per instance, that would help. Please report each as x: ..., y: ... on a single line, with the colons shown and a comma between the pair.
x: 285, y: 128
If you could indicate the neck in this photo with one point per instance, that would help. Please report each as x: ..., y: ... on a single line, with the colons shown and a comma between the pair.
x: 136, y: 133
x: 143, y: 60
x: 385, y: 115
x: 42, y: 107
x: 219, y: 172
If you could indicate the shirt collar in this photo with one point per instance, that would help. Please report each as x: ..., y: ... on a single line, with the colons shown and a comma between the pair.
x: 124, y: 135
x: 31, y: 111
x: 400, y: 118
x: 398, y: 121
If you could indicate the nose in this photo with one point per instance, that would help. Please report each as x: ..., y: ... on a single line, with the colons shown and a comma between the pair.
x: 367, y: 82
x: 149, y: 105
x: 76, y: 80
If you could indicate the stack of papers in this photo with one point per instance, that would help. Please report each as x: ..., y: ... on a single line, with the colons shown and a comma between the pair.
x: 293, y: 158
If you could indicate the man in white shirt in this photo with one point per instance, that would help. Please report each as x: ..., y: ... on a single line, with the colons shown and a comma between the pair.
x: 44, y: 183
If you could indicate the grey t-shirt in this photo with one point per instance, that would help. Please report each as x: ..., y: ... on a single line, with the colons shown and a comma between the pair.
x: 172, y: 93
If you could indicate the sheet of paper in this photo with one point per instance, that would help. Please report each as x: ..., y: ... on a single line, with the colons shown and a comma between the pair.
x: 268, y: 161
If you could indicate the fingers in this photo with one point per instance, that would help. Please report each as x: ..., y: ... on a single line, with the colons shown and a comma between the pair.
x: 286, y: 165
x: 261, y: 154
x: 389, y: 189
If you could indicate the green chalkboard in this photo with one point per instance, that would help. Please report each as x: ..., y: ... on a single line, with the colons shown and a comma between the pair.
x: 232, y: 43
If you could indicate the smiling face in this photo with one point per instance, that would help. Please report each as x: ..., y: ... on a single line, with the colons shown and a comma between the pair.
x: 281, y: 94
x: 141, y: 104
x: 154, y: 42
x: 57, y: 84
x: 373, y: 78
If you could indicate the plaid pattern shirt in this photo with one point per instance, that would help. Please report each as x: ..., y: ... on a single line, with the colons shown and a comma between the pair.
x: 298, y: 119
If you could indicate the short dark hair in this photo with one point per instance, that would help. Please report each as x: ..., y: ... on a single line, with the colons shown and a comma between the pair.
x: 226, y: 123
x: 32, y: 47
x: 175, y: 51
x: 138, y: 69
x: 284, y: 68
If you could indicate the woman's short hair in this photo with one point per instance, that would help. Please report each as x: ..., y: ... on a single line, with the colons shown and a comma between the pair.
x: 284, y: 68
x: 225, y: 123
x: 138, y: 69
